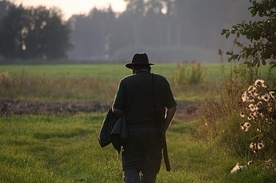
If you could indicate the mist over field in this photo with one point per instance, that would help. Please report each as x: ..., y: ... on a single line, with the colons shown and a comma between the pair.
x: 169, y: 31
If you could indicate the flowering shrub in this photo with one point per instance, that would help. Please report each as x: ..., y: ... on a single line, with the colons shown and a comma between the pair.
x: 259, y: 121
x: 259, y: 114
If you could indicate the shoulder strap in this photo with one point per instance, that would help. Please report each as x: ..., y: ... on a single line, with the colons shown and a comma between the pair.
x: 154, y: 90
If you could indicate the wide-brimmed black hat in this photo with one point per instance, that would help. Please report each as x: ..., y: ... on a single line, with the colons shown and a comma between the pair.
x: 139, y: 59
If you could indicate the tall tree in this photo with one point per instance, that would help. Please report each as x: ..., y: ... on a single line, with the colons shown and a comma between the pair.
x: 34, y: 33
x: 92, y: 34
x: 11, y: 31
x: 4, y: 6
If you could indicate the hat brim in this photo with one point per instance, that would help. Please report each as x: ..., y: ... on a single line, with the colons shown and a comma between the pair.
x: 129, y: 65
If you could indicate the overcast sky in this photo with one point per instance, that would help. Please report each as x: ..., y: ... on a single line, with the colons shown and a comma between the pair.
x: 70, y: 7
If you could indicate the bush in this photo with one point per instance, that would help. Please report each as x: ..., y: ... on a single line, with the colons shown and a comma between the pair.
x: 221, y: 120
x: 188, y: 74
x: 258, y: 113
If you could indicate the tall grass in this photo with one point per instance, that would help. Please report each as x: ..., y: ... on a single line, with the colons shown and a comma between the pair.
x: 89, y: 82
x: 64, y: 83
x: 56, y: 89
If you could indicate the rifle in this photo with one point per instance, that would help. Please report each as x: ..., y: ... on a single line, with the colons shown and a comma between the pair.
x: 165, y: 151
x: 160, y: 121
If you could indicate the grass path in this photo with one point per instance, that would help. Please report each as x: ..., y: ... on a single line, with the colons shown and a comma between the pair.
x: 64, y: 148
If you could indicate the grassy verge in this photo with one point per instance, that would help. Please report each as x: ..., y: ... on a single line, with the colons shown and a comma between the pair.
x: 86, y: 82
x: 64, y: 148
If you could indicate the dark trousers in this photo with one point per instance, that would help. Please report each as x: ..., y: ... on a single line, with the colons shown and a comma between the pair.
x: 141, y: 155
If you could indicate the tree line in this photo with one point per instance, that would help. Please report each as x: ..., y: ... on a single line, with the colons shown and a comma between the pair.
x: 166, y: 29
x: 33, y: 33
x: 174, y: 30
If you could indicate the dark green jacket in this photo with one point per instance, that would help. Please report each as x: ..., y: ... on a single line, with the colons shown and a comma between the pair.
x: 113, y: 131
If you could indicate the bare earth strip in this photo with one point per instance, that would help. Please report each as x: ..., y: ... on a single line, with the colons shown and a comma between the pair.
x: 185, y: 111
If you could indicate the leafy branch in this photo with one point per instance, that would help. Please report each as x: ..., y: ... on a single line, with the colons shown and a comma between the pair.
x: 261, y: 34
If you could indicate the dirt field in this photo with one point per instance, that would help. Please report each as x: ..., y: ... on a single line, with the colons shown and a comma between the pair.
x: 185, y: 111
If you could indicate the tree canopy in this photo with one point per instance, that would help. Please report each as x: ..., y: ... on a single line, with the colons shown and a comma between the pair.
x: 34, y: 33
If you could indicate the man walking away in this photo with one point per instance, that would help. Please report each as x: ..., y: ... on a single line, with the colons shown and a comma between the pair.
x: 136, y: 99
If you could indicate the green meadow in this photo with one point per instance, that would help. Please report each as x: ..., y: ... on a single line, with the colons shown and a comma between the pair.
x: 86, y: 82
x: 64, y: 148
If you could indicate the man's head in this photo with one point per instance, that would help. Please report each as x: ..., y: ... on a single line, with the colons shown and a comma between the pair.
x: 136, y: 68
x: 139, y: 61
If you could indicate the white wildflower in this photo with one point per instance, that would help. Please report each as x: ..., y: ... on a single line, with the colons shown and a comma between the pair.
x: 252, y: 107
x: 255, y: 114
x: 247, y: 97
x: 245, y: 126
x: 244, y: 97
x: 256, y: 95
x: 250, y: 88
x: 251, y: 117
x: 260, y: 145
x: 242, y: 114
x: 259, y: 104
x: 249, y: 162
x: 260, y: 82
x: 250, y: 98
x: 271, y: 94
x: 266, y: 97
x: 253, y: 146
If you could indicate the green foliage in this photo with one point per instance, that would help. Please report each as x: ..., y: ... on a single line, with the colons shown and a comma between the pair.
x: 188, y: 74
x: 261, y: 34
x: 33, y: 33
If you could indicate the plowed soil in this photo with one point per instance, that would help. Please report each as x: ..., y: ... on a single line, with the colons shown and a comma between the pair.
x: 185, y: 111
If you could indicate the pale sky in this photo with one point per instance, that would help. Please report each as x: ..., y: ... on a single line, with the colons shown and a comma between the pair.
x: 70, y: 7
